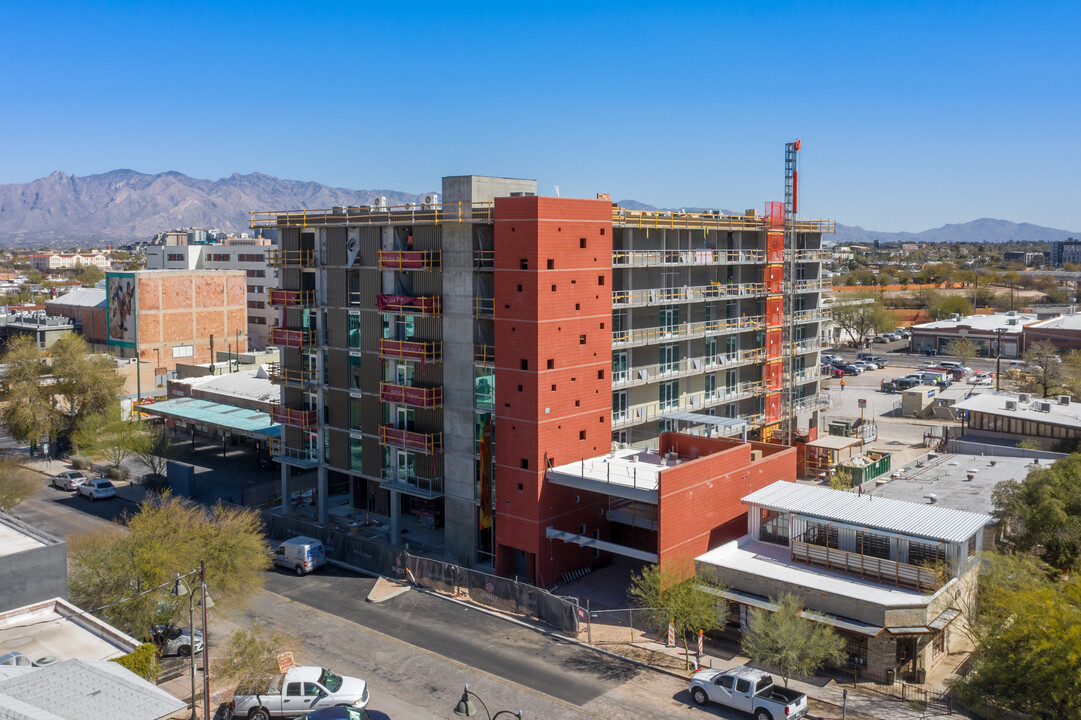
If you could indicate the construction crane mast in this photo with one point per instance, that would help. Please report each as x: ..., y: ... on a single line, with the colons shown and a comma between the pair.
x: 788, y: 344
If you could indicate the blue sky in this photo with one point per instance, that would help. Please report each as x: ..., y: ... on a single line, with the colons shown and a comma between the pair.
x: 912, y: 115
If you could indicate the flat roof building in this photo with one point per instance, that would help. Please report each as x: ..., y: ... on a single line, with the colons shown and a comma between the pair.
x: 35, y: 564
x: 987, y: 331
x: 889, y: 575
x: 563, y: 327
x: 1001, y: 417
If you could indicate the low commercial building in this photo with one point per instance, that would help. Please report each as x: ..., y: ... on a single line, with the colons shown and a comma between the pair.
x: 987, y: 331
x: 1064, y: 332
x: 1000, y: 417
x: 892, y: 577
x: 45, y: 262
x: 35, y: 565
x: 41, y: 328
x: 87, y: 308
x: 252, y: 389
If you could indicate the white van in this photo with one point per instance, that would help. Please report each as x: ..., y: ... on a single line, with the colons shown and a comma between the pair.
x: 302, y: 554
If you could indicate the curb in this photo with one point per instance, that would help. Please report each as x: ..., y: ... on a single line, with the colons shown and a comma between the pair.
x: 381, y: 593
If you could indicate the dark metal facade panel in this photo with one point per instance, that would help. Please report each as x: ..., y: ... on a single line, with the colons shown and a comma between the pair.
x: 337, y: 328
x: 337, y: 240
x: 338, y: 368
x: 371, y: 372
x: 428, y: 283
x: 370, y: 240
x: 337, y: 287
x: 339, y: 449
x: 427, y: 237
x: 371, y: 414
x: 370, y: 286
x: 336, y: 403
x: 289, y: 239
x: 428, y: 328
x: 372, y: 454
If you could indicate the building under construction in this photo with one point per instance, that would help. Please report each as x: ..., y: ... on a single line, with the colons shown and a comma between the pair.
x: 541, y: 377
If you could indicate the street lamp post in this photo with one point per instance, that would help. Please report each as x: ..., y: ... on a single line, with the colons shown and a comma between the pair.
x: 180, y: 589
x: 466, y: 708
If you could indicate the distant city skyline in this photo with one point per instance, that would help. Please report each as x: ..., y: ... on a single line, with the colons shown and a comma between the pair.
x: 910, y: 118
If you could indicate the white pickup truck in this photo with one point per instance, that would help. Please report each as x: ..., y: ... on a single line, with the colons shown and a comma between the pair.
x: 300, y: 690
x: 749, y: 690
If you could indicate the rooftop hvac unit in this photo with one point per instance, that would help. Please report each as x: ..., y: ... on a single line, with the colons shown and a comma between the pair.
x: 339, y: 210
x: 954, y: 316
x: 1024, y: 397
x: 379, y: 203
x: 1063, y: 399
x: 431, y: 201
x: 1011, y: 313
x: 411, y: 206
x: 1011, y: 321
x: 1043, y: 407
x: 1011, y: 404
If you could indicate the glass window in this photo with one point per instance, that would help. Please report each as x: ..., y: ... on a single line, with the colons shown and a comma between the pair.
x: 354, y: 332
x: 669, y: 358
x: 619, y: 406
x: 619, y: 366
x: 874, y: 545
x: 354, y: 372
x: 743, y: 686
x: 355, y: 413
x: 326, y: 445
x: 972, y: 546
x: 355, y: 454
x: 821, y: 535
x: 726, y: 681
x: 924, y: 554
x: 669, y: 395
x: 773, y: 527
x: 484, y: 388
x: 711, y: 385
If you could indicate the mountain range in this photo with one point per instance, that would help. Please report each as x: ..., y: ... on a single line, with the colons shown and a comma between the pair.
x: 122, y: 206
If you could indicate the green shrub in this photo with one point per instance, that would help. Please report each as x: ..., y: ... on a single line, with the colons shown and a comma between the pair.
x: 79, y: 462
x: 155, y: 483
x: 144, y: 661
x: 118, y: 472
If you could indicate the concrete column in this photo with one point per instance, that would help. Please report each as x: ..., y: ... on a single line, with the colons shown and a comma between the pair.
x: 395, y: 517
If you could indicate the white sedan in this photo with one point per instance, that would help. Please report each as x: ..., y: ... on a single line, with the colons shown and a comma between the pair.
x: 97, y: 489
x: 68, y: 480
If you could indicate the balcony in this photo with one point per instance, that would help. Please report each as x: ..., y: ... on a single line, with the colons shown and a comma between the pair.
x: 813, y: 402
x: 420, y: 350
x: 644, y: 374
x: 300, y: 339
x: 429, y: 443
x: 916, y: 577
x: 291, y: 298
x: 306, y: 459
x: 674, y: 296
x: 293, y: 416
x: 412, y: 484
x: 806, y: 375
x: 410, y: 260
x: 421, y: 397
x: 295, y: 259
x: 804, y: 286
x: 484, y: 354
x: 654, y: 335
x: 807, y: 345
x: 376, y: 215
x: 691, y: 402
x: 668, y: 258
x: 408, y: 305
x: 812, y: 315
x: 292, y: 378
x: 483, y: 307
x: 816, y: 255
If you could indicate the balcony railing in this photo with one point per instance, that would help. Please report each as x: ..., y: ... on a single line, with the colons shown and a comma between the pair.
x: 421, y: 397
x: 409, y: 305
x: 813, y: 402
x: 410, y: 260
x: 807, y: 375
x: 622, y: 217
x: 293, y: 416
x: 665, y: 258
x: 292, y: 378
x: 291, y: 298
x: 683, y: 331
x: 691, y: 402
x: 672, y: 296
x: 429, y: 487
x: 816, y: 255
x: 483, y: 259
x: 483, y: 307
x: 421, y: 350
x: 643, y: 374
x: 807, y: 345
x: 802, y: 286
x: 484, y: 354
x: 917, y: 577
x: 304, y: 458
x: 290, y: 258
x: 429, y: 443
x: 812, y: 315
x: 292, y: 338
x: 413, y: 214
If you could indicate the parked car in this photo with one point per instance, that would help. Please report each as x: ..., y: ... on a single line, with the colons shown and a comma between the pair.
x: 904, y: 332
x: 68, y: 480
x: 97, y: 488
x: 864, y: 367
x: 302, y: 554
x: 837, y: 372
x: 176, y: 641
x: 870, y: 364
x: 872, y: 358
x: 950, y: 365
x: 905, y: 383
x: 827, y: 357
x: 982, y: 378
x: 300, y: 690
x: 880, y: 339
x: 851, y: 369
x: 749, y: 690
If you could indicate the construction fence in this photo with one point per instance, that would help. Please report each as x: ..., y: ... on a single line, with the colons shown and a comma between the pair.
x: 491, y: 591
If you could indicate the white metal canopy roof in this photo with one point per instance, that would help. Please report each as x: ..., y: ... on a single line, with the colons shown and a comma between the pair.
x: 908, y: 518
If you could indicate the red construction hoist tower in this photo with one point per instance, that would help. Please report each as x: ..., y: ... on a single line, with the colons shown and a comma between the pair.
x: 791, y: 207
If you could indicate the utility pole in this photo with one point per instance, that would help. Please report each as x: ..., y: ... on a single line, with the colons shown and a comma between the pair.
x: 999, y: 332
